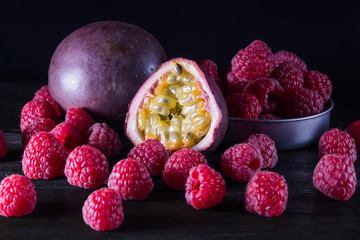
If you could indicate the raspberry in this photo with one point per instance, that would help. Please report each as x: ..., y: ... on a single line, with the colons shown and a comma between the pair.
x: 43, y: 93
x: 285, y: 56
x: 152, y: 154
x: 205, y: 188
x: 131, y: 179
x: 319, y: 82
x: 336, y: 141
x: 103, y: 210
x: 3, y: 147
x: 68, y: 136
x: 80, y: 119
x: 44, y: 157
x: 288, y: 75
x: 267, y: 148
x: 39, y: 125
x: 301, y: 102
x: 235, y: 84
x: 268, y: 91
x: 86, y: 167
x: 36, y: 109
x: 254, y: 61
x: 354, y: 130
x: 334, y: 175
x: 104, y: 138
x: 17, y: 196
x: 269, y: 116
x: 210, y: 67
x: 266, y: 194
x: 177, y: 167
x: 243, y: 105
x: 241, y: 161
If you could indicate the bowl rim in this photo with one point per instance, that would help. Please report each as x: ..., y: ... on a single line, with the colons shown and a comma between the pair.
x: 329, y: 106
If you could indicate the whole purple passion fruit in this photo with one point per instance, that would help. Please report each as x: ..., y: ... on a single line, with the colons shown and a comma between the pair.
x: 100, y: 66
x: 181, y: 106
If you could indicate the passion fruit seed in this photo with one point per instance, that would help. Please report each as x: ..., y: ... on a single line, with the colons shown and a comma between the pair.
x: 177, y: 69
x: 174, y: 112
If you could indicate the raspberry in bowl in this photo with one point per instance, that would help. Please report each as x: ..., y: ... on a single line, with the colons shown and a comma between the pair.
x: 279, y: 97
x: 288, y: 134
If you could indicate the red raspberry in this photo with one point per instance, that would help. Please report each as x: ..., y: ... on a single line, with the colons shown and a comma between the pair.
x: 243, y: 105
x: 152, y: 154
x: 255, y: 61
x: 104, y: 138
x: 44, y: 157
x: 267, y: 148
x: 17, y: 196
x: 210, y: 67
x: 235, y: 84
x: 103, y: 210
x: 131, y: 179
x: 241, y: 161
x: 205, y: 188
x: 354, y: 130
x: 3, y: 147
x: 319, y: 82
x: 301, y: 102
x: 39, y: 125
x: 80, y: 119
x: 336, y: 141
x: 288, y: 75
x: 269, y: 116
x: 36, y: 109
x: 68, y: 136
x: 177, y: 167
x: 86, y: 167
x: 43, y: 93
x: 266, y: 194
x: 285, y: 56
x: 334, y: 175
x: 268, y: 91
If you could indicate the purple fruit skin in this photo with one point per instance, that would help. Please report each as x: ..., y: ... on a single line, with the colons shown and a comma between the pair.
x: 100, y: 66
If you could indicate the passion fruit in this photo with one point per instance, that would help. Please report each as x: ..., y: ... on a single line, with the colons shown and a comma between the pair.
x: 180, y: 105
x: 100, y: 66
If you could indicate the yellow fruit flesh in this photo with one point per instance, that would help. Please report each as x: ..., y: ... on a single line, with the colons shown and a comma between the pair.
x: 174, y: 112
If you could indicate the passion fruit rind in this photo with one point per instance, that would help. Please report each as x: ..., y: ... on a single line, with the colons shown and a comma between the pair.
x: 101, y: 65
x: 180, y: 105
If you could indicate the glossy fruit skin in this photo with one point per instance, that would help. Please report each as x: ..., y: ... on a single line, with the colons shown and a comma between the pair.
x: 100, y: 66
x: 216, y: 105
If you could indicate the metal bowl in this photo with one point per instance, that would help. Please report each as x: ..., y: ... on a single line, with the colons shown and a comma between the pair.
x: 288, y: 134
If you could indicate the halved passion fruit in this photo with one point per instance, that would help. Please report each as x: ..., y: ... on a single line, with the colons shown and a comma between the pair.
x: 181, y: 106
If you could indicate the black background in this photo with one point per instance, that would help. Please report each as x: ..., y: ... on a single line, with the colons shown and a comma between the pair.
x: 326, y: 35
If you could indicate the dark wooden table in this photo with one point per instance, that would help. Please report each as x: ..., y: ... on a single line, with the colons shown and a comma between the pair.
x: 165, y: 213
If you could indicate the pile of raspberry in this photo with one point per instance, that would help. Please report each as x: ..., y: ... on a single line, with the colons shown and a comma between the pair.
x: 58, y: 143
x: 79, y: 149
x: 261, y: 84
x: 334, y: 174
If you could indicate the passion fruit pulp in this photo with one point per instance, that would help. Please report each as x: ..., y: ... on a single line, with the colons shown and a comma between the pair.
x: 100, y: 66
x: 181, y: 106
